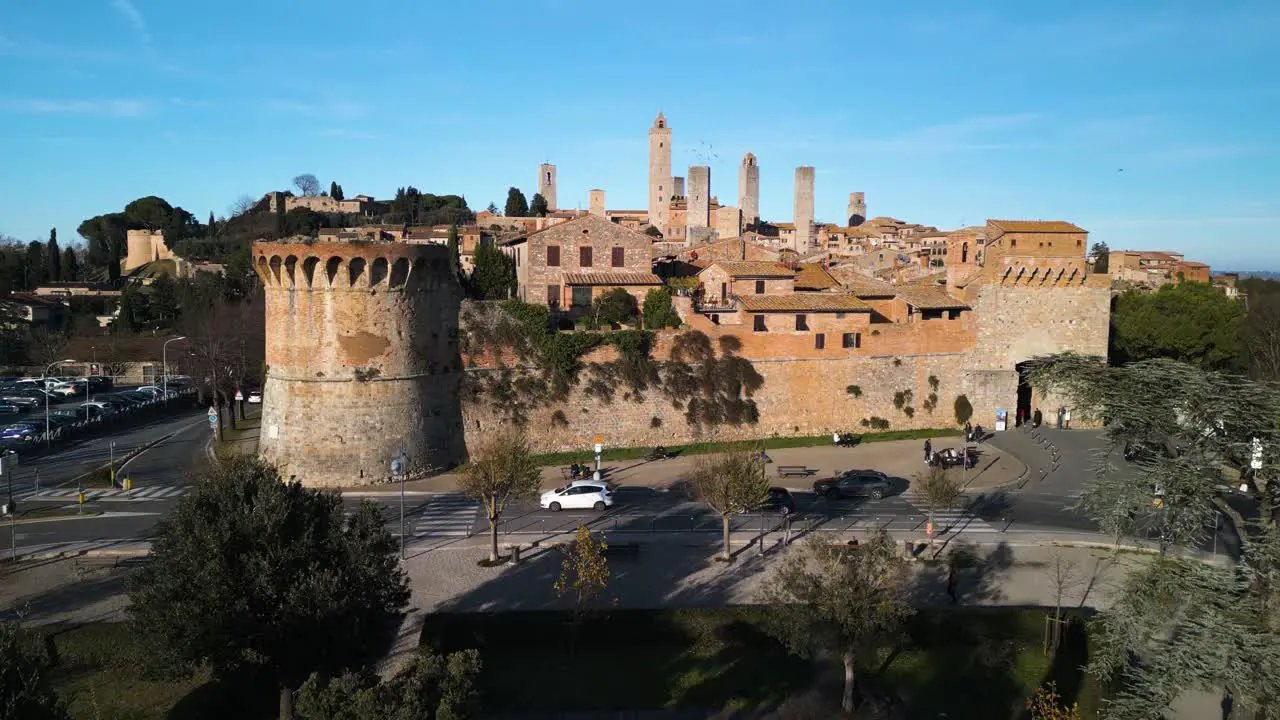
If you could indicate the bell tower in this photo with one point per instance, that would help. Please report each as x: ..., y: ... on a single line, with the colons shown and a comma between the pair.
x: 660, y: 181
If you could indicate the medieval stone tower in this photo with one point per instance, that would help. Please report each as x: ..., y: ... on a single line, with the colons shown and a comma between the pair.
x: 595, y: 202
x: 749, y: 189
x: 362, y: 358
x: 804, y: 207
x: 547, y: 184
x: 698, y: 213
x: 857, y: 212
x: 660, y: 183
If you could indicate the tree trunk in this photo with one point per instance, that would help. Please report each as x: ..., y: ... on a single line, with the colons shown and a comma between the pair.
x: 286, y: 703
x: 846, y: 701
x: 493, y: 538
x: 725, y: 520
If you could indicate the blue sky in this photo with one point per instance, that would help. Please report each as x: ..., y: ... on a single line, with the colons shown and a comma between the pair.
x: 944, y: 113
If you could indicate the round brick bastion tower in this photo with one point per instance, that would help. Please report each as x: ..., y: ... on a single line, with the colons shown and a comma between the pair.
x: 362, y: 358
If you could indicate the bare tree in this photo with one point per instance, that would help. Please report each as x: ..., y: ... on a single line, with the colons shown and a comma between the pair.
x: 1064, y: 579
x: 46, y: 346
x: 307, y: 184
x: 501, y: 470
x: 242, y: 205
x: 114, y: 360
x: 849, y: 601
x: 1262, y: 338
x: 940, y: 490
x: 730, y: 483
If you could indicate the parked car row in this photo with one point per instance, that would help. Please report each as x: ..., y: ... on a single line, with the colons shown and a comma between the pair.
x: 60, y: 421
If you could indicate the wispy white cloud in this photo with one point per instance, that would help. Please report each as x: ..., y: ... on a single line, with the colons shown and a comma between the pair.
x: 101, y: 108
x: 982, y: 133
x: 332, y: 109
x: 345, y: 134
x: 131, y: 14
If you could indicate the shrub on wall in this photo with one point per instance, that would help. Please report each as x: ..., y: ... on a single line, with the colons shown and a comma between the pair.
x: 933, y: 383
x: 558, y: 418
x: 854, y: 391
x: 930, y: 403
x: 901, y: 398
x: 658, y: 312
x: 615, y: 307
x: 963, y: 409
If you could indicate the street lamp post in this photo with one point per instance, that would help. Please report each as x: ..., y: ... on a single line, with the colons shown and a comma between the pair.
x: 164, y: 362
x: 47, y: 441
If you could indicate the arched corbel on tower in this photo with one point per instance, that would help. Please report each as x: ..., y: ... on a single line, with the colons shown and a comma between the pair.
x: 399, y: 273
x: 377, y: 271
x: 275, y: 264
x: 1032, y: 277
x: 1005, y: 277
x: 264, y: 272
x: 357, y: 277
x: 1058, y: 280
x: 331, y: 270
x: 309, y: 270
x: 290, y: 270
x: 1021, y: 272
x: 1072, y: 277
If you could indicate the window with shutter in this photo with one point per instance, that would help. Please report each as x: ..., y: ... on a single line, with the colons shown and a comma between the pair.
x: 553, y: 256
x: 619, y: 257
x: 584, y: 256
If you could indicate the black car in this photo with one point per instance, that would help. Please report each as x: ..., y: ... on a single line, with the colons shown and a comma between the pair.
x: 951, y: 457
x: 779, y: 501
x: 854, y: 483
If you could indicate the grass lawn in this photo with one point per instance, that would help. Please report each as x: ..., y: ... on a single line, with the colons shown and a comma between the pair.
x: 777, y: 443
x: 979, y: 664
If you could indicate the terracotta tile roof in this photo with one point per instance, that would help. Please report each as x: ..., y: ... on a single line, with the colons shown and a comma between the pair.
x: 756, y: 268
x: 612, y: 278
x: 802, y: 302
x: 863, y: 286
x: 929, y: 297
x: 784, y: 226
x: 1036, y: 226
x: 812, y: 276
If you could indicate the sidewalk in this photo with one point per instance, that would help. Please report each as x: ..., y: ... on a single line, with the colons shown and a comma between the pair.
x: 896, y: 458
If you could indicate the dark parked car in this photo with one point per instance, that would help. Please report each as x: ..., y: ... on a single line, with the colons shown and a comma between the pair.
x: 779, y: 501
x: 854, y: 483
x: 20, y: 431
x: 9, y: 409
x: 951, y: 457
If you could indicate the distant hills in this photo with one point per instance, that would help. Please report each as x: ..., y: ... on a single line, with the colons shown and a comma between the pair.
x: 1264, y: 274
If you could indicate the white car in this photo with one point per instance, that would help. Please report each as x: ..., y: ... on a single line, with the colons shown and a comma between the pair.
x: 579, y: 495
x: 65, y: 389
x: 254, y: 397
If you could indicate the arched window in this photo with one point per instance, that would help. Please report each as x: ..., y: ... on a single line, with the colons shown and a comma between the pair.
x: 964, y: 253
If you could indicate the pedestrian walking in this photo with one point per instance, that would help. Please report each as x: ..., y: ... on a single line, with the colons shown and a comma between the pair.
x: 928, y: 451
x: 968, y: 432
x: 1228, y: 704
x: 951, y: 586
x: 1066, y: 418
x: 1036, y: 418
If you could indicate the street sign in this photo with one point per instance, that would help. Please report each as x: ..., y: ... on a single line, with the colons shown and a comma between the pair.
x: 8, y: 462
x: 239, y: 395
x: 599, y: 446
x: 213, y: 416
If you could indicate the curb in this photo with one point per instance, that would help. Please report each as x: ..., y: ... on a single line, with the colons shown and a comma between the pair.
x: 127, y: 458
x: 67, y: 554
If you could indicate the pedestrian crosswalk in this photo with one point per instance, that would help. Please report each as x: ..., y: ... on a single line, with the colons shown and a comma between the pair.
x: 953, y: 520
x: 447, y: 514
x: 157, y: 492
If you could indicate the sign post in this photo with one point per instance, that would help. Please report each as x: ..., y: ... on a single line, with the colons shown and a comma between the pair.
x: 240, y: 402
x: 213, y: 421
x: 8, y: 462
x: 599, y: 448
x: 400, y: 467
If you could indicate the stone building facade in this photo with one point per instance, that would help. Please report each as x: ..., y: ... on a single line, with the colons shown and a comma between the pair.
x: 362, y: 358
x: 144, y: 246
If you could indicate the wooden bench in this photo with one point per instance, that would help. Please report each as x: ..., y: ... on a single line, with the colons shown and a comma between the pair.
x: 631, y: 550
x: 794, y: 470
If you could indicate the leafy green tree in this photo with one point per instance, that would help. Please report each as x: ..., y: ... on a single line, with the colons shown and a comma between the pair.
x: 252, y: 572
x: 1191, y: 625
x: 940, y: 491
x: 1102, y: 256
x: 452, y: 243
x: 963, y: 409
x: 164, y: 300
x: 730, y: 484
x: 106, y: 235
x: 431, y: 687
x: 53, y: 257
x: 658, y: 311
x: 538, y: 206
x: 130, y: 310
x: 24, y: 687
x: 70, y: 271
x: 492, y: 209
x: 37, y: 271
x: 653, y: 232
x: 584, y: 570
x: 1190, y: 322
x: 500, y: 471
x: 840, y: 601
x: 517, y: 206
x: 304, y: 221
x: 614, y: 307
x: 494, y: 276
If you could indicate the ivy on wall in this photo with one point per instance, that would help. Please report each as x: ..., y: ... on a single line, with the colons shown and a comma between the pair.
x: 709, y: 382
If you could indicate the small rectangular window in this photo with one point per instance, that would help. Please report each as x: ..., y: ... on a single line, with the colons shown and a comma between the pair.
x: 553, y: 256
x: 851, y: 341
x: 802, y: 323
x: 759, y: 287
x: 757, y: 323
x: 584, y: 256
x: 820, y: 341
x: 619, y: 257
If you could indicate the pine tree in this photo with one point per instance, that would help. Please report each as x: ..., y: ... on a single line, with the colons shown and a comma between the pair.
x: 70, y: 265
x: 212, y: 225
x: 37, y: 273
x: 538, y: 208
x: 453, y: 247
x: 517, y: 206
x: 53, y: 257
